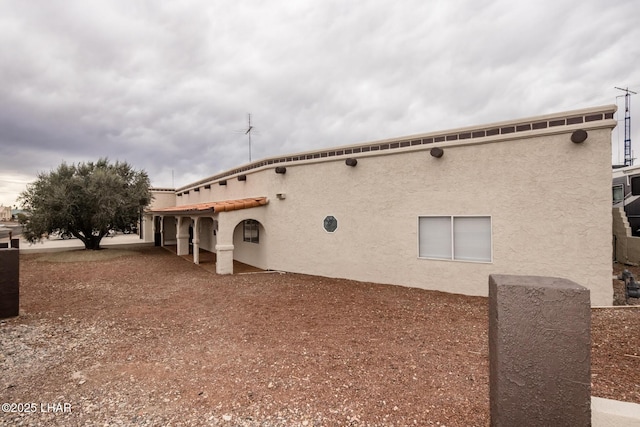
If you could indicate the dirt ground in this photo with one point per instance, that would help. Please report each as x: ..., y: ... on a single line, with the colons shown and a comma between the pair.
x: 143, y: 337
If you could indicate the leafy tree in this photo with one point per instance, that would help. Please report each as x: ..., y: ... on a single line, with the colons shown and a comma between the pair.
x: 86, y: 200
x: 22, y: 218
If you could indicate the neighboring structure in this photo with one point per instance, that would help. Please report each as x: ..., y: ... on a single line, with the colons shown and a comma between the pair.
x: 436, y: 211
x: 5, y: 213
x: 623, y: 197
x: 626, y: 214
x: 16, y: 213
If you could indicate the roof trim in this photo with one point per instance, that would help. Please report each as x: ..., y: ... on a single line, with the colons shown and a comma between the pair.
x: 215, y: 207
x: 587, y: 117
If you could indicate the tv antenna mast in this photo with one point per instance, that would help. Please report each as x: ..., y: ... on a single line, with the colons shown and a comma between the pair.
x: 628, y: 160
x: 248, y: 132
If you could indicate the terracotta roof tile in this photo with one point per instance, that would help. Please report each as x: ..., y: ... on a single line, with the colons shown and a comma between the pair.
x: 221, y: 206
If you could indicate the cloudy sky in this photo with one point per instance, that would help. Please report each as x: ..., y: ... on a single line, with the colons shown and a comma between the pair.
x: 167, y: 86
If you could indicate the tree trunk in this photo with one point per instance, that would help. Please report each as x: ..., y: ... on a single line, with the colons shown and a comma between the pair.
x: 92, y: 242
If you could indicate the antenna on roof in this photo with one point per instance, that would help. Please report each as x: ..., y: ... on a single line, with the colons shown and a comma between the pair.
x: 248, y: 132
x: 628, y: 159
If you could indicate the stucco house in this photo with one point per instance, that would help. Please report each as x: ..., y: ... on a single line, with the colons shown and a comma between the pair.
x: 439, y: 211
x: 5, y: 213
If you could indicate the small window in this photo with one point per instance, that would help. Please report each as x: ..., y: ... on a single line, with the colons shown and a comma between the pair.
x: 461, y: 238
x: 250, y: 231
x: 330, y: 224
x: 635, y: 185
x: 618, y: 193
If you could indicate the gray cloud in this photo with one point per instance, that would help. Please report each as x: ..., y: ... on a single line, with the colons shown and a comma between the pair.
x: 167, y: 85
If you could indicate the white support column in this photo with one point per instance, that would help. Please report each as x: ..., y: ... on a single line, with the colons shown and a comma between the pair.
x: 161, y: 231
x: 196, y: 240
x: 224, y: 244
x: 224, y: 259
x: 182, y: 235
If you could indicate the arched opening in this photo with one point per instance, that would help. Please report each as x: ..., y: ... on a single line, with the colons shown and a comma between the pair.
x: 169, y: 230
x: 157, y: 231
x: 249, y: 241
x: 207, y: 231
x: 184, y: 235
x: 204, y: 242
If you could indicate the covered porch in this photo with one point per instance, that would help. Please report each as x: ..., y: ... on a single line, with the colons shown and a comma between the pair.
x: 208, y: 261
x: 204, y: 232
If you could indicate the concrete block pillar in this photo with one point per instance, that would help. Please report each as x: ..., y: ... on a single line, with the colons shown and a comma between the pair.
x: 539, y: 352
x: 224, y: 259
x: 196, y: 250
x: 196, y: 240
x: 183, y: 243
x: 182, y: 236
x: 9, y: 282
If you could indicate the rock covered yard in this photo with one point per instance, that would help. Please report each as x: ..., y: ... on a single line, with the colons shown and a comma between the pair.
x: 143, y: 337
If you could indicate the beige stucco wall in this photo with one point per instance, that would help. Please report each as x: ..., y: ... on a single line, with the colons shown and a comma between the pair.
x: 549, y: 200
x: 543, y: 224
x: 161, y: 198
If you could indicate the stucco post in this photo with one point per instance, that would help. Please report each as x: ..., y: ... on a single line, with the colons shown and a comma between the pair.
x: 196, y: 240
x: 224, y: 259
x: 224, y: 243
x: 161, y: 231
x: 539, y: 352
x: 9, y: 282
x: 182, y: 235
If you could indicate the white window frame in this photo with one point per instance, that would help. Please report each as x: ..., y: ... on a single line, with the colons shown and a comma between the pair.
x: 452, y: 256
x: 251, y: 231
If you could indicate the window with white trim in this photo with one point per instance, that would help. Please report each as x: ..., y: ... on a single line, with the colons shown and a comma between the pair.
x: 618, y: 193
x: 250, y: 232
x: 458, y: 238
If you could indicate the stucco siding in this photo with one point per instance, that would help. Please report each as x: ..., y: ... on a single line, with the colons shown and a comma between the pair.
x: 548, y: 199
x: 162, y: 199
x: 547, y: 205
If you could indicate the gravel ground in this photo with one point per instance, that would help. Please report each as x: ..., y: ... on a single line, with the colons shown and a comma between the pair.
x: 145, y: 338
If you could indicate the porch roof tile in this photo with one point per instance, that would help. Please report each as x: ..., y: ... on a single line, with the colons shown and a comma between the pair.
x: 220, y: 206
